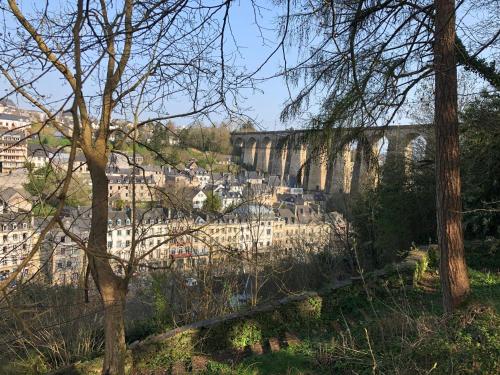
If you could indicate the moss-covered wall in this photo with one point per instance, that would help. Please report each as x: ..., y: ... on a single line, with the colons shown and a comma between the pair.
x: 236, y: 332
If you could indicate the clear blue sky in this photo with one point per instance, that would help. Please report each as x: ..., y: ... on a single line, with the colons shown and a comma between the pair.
x: 255, y: 43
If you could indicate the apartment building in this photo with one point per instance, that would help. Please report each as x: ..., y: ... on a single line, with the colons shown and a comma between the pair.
x: 10, y: 121
x: 65, y: 262
x: 166, y: 238
x: 248, y: 228
x: 13, y: 145
x: 17, y: 236
x: 301, y: 227
x: 121, y: 188
x: 162, y: 238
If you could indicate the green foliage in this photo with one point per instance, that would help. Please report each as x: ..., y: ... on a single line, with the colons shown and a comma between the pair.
x: 119, y: 204
x: 46, y: 183
x: 377, y: 324
x: 41, y: 181
x: 485, y: 287
x: 217, y: 368
x: 398, y: 212
x: 480, y: 166
x: 420, y: 269
x: 468, y: 343
x: 43, y: 209
x: 160, y: 300
x: 483, y: 255
x: 244, y: 334
x: 213, y: 203
x: 312, y: 308
x: 49, y: 140
x: 396, y: 331
x: 207, y: 138
x: 292, y: 360
x: 433, y: 255
x: 164, y: 355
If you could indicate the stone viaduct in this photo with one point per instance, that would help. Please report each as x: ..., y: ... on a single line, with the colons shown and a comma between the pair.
x: 286, y: 154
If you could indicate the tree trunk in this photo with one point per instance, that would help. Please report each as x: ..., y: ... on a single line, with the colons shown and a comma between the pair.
x: 454, y: 277
x: 114, y: 331
x: 113, y: 289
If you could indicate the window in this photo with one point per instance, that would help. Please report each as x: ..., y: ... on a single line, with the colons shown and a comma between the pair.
x: 128, y: 222
x: 128, y: 232
x: 118, y: 222
x: 110, y: 244
x: 127, y: 243
x: 25, y: 225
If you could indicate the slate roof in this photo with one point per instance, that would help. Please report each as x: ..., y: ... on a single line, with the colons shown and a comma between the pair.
x: 11, y: 117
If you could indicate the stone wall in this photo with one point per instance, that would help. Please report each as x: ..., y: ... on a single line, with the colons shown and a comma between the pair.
x: 183, y: 350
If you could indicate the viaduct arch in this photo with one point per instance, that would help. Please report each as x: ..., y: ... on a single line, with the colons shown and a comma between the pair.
x: 283, y: 153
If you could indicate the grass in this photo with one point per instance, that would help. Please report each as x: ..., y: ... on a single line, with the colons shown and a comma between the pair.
x: 292, y: 360
x: 381, y: 329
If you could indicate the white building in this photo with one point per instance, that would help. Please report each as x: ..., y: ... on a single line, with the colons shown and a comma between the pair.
x: 17, y: 236
x: 198, y: 199
x: 14, y: 122
x: 229, y: 198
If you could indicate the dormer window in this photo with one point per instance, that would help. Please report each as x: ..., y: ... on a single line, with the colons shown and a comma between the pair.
x: 127, y: 221
x: 118, y: 222
x: 110, y: 222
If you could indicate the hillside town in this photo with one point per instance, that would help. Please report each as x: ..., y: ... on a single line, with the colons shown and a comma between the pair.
x: 221, y: 187
x: 179, y: 215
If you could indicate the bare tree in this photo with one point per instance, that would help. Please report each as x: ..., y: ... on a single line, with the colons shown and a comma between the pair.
x: 114, y: 57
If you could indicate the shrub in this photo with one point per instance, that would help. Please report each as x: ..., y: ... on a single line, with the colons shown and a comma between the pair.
x: 244, y: 334
x: 433, y: 255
